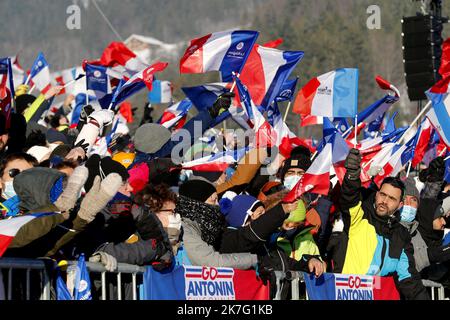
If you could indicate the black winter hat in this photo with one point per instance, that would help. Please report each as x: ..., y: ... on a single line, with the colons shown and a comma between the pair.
x: 197, y: 189
x: 300, y: 161
x: 24, y: 101
x: 107, y: 166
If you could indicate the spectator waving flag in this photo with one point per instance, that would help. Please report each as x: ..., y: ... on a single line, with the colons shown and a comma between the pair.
x: 333, y: 94
x: 6, y: 88
x: 265, y: 135
x: 161, y: 92
x: 175, y: 113
x: 224, y: 51
x: 316, y: 179
x: 142, y: 79
x: 203, y: 96
x: 439, y: 114
x: 40, y: 74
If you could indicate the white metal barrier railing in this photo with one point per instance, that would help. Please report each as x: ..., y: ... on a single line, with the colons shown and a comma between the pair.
x: 46, y: 266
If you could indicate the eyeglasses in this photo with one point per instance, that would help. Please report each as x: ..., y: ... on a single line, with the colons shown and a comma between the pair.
x: 13, y: 172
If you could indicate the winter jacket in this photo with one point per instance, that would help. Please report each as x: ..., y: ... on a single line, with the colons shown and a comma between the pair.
x: 202, y: 254
x: 377, y: 245
x: 299, y: 244
x: 246, y: 170
x: 420, y: 247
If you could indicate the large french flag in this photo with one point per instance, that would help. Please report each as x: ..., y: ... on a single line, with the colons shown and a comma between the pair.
x: 333, y: 94
x: 40, y: 74
x: 137, y: 82
x: 264, y: 133
x: 175, y: 113
x: 316, y: 179
x: 439, y: 115
x: 225, y: 51
x: 216, y: 162
x: 161, y: 92
x: 266, y: 72
x: 10, y: 227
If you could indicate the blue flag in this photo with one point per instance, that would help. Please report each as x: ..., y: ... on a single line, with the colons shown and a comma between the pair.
x: 82, y: 290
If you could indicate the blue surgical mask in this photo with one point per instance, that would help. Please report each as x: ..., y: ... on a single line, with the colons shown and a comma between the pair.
x: 9, y: 191
x: 408, y: 213
x: 291, y: 181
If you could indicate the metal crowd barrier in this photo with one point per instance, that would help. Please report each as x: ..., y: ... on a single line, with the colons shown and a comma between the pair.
x: 11, y: 264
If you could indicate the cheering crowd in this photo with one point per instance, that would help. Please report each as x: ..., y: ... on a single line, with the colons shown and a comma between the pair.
x: 119, y: 197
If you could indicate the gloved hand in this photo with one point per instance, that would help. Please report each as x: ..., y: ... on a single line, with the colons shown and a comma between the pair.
x: 99, y: 195
x: 66, y: 201
x: 102, y: 117
x: 221, y: 105
x: 435, y: 171
x: 439, y: 254
x: 353, y: 164
x: 265, y: 270
x: 22, y: 89
x: 164, y: 256
x: 106, y: 259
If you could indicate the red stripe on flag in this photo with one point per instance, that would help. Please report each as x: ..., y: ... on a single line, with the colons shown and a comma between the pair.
x: 192, y: 60
x: 253, y: 76
x: 209, y: 167
x: 305, y: 96
x: 4, y: 243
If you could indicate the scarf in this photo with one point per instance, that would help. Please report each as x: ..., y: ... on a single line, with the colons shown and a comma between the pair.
x: 208, y: 217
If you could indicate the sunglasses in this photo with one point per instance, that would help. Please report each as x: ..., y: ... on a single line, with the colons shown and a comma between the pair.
x: 13, y: 172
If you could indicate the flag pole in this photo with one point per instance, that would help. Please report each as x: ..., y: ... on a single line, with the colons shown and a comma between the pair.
x: 447, y: 158
x: 28, y: 79
x: 427, y: 106
x: 32, y: 88
x: 409, y: 168
x: 287, y: 110
x: 442, y: 152
x: 355, y: 142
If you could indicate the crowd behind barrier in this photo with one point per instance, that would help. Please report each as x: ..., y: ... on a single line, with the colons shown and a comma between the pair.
x: 42, y: 270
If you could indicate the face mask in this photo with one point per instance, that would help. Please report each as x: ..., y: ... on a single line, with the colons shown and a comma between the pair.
x: 175, y: 221
x: 407, y: 213
x: 9, y: 191
x: 290, y: 182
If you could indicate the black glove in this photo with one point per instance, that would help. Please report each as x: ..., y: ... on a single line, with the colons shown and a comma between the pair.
x: 222, y: 104
x: 353, y: 164
x: 265, y: 270
x: 435, y: 171
x: 164, y: 256
x: 439, y: 254
x: 84, y: 114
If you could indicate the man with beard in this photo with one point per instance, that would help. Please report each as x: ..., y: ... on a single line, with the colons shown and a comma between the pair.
x: 377, y: 243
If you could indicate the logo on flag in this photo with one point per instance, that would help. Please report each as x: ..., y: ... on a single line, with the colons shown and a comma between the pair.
x: 353, y: 287
x: 209, y: 283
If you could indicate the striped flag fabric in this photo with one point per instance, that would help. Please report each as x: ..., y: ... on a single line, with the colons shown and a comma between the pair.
x: 18, y: 71
x: 173, y: 114
x: 40, y: 74
x: 6, y: 89
x: 423, y: 139
x: 205, y: 95
x: 216, y: 162
x: 161, y: 92
x: 99, y: 81
x: 225, y: 51
x: 63, y: 77
x: 439, y: 115
x: 333, y: 94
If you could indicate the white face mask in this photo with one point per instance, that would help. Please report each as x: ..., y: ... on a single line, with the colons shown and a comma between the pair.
x: 175, y: 221
x: 9, y: 191
x: 291, y: 181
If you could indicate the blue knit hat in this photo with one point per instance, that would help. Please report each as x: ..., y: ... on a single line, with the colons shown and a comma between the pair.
x: 237, y: 209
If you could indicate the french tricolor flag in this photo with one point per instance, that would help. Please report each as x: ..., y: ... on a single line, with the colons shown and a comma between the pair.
x: 266, y: 72
x: 161, y: 92
x: 333, y: 94
x: 224, y: 51
x: 17, y: 70
x: 40, y: 74
x: 316, y: 179
x: 217, y: 162
x: 439, y: 115
x: 264, y: 133
x: 137, y: 82
x: 98, y: 80
x: 175, y: 113
x: 65, y: 76
x: 423, y: 139
x: 310, y: 120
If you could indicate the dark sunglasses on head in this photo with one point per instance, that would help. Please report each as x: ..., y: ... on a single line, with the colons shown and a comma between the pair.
x: 13, y: 172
